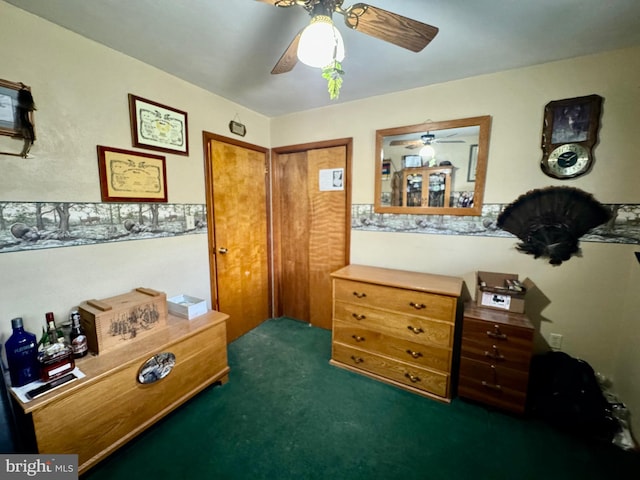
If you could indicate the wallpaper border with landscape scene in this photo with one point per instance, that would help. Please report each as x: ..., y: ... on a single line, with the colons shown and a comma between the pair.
x: 40, y: 225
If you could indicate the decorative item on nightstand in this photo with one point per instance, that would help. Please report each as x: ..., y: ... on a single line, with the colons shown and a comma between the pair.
x: 501, y: 291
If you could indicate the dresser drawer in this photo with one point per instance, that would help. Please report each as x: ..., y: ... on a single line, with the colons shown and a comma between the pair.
x: 494, y: 376
x: 404, y: 350
x: 439, y: 307
x: 411, y: 328
x: 413, y: 376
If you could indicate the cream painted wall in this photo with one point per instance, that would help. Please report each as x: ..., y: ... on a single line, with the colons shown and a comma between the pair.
x: 80, y: 89
x: 592, y: 300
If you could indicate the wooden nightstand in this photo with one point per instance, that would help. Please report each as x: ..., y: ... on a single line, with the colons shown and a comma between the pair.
x: 495, y: 354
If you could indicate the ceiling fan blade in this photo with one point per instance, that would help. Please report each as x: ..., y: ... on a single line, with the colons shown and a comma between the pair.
x: 390, y: 27
x: 289, y: 58
x: 448, y: 141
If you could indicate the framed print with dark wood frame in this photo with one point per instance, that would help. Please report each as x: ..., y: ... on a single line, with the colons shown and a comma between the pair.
x: 127, y: 176
x: 569, y: 134
x: 158, y: 127
x: 16, y: 115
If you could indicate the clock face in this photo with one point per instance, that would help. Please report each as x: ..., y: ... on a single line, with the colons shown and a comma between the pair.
x: 568, y: 160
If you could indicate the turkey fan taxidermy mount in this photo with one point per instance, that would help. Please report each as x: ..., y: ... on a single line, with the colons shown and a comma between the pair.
x: 550, y: 221
x: 376, y: 22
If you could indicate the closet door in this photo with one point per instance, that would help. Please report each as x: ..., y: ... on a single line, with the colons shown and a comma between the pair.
x: 311, y: 217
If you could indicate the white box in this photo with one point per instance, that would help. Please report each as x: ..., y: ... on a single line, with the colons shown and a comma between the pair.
x: 186, y: 306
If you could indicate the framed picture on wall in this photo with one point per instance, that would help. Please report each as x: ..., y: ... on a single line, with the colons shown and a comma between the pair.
x: 127, y: 176
x: 16, y: 115
x: 473, y: 163
x: 158, y: 127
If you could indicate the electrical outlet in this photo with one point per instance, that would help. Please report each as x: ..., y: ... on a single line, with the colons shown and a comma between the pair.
x: 555, y: 341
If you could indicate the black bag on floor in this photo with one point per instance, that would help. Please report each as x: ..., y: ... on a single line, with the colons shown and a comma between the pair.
x: 565, y: 392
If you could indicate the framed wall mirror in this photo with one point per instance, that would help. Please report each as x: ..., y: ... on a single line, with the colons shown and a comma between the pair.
x: 434, y: 168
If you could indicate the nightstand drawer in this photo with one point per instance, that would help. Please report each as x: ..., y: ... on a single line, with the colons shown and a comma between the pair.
x: 494, y: 376
x: 411, y: 328
x: 496, y: 353
x: 413, y: 376
x: 404, y: 350
x: 403, y: 301
x: 486, y: 334
x: 505, y: 398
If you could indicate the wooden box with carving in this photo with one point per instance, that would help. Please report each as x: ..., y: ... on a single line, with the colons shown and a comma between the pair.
x: 117, y: 321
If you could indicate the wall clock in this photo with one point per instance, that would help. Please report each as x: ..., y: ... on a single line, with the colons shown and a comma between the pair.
x: 569, y: 134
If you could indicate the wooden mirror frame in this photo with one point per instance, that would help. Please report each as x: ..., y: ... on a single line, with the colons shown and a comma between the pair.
x: 484, y: 124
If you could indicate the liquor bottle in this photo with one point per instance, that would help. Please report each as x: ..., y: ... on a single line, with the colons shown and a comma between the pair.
x: 55, y: 356
x: 78, y: 338
x: 22, y: 355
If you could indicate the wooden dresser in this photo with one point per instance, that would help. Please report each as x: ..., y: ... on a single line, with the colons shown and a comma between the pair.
x: 396, y: 326
x: 495, y: 353
x: 95, y: 415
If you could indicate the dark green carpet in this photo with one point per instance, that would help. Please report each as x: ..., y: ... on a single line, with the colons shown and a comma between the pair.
x: 287, y: 414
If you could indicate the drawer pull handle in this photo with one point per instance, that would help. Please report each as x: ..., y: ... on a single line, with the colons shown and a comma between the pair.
x: 496, y: 334
x: 417, y: 306
x: 358, y: 338
x: 414, y: 354
x: 491, y: 386
x: 413, y: 378
x: 415, y: 330
x: 359, y: 295
x: 358, y: 316
x: 357, y: 359
x: 496, y: 355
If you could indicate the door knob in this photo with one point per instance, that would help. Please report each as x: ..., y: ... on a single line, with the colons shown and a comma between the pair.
x: 222, y: 251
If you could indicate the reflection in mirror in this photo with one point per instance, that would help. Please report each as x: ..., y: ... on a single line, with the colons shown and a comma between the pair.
x: 436, y: 168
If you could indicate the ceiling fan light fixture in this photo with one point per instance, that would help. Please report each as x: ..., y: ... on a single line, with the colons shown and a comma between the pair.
x: 320, y: 43
x: 427, y: 152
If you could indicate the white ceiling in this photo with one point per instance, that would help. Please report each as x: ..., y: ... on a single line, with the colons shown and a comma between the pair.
x: 229, y: 47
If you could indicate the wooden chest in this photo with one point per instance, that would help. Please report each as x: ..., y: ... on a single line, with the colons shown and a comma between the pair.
x: 95, y: 415
x: 396, y: 326
x: 117, y: 321
x: 495, y: 354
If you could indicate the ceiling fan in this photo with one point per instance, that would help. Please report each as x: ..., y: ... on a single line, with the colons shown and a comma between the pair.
x: 390, y: 27
x: 425, y: 139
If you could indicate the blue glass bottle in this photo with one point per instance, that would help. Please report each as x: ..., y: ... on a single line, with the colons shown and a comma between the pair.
x: 22, y: 355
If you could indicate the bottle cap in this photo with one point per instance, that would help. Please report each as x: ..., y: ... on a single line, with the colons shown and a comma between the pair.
x: 16, y: 322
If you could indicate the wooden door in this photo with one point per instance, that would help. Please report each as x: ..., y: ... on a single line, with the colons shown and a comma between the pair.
x: 312, y: 225
x: 238, y: 219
